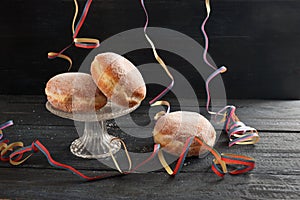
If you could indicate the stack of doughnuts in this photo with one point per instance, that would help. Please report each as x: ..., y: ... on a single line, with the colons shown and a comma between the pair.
x: 113, y: 78
x: 173, y: 129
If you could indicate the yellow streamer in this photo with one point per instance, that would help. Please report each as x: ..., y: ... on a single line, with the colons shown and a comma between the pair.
x: 207, y: 5
x: 164, y: 163
x: 126, y: 152
x: 161, y: 113
x: 4, y: 148
x: 54, y: 54
x: 217, y: 156
x: 159, y: 60
x: 75, y: 16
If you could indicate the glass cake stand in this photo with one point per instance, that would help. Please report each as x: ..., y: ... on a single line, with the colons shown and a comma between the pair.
x: 95, y: 141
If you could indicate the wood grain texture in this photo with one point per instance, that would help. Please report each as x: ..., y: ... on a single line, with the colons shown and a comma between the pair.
x: 151, y: 185
x: 276, y: 176
x: 264, y: 115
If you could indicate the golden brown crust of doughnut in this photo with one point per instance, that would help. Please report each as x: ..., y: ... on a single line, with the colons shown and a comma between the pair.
x: 118, y: 79
x: 172, y: 130
x: 74, y: 92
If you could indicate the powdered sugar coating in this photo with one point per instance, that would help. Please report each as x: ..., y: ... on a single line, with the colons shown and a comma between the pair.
x: 71, y: 92
x: 173, y: 129
x: 118, y: 79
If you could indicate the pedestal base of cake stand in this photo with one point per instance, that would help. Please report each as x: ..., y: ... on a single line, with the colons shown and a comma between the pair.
x: 95, y: 142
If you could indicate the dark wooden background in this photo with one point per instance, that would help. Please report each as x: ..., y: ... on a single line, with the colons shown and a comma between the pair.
x: 258, y: 40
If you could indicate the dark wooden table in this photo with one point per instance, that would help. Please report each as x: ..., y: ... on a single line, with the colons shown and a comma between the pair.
x: 276, y: 176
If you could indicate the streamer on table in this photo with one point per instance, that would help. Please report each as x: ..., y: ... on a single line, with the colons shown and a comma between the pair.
x: 16, y: 154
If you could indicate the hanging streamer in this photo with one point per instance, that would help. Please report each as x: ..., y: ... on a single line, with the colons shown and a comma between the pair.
x: 241, y: 139
x: 86, y: 43
x: 159, y: 60
x: 237, y: 131
x: 207, y: 5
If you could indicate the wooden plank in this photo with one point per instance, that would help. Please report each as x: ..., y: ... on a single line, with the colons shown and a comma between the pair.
x: 263, y: 115
x: 276, y: 153
x: 50, y: 184
x: 276, y: 175
x: 291, y: 107
x: 36, y: 119
x: 258, y: 108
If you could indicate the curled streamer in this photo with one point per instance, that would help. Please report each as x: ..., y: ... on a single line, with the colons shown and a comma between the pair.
x: 161, y: 113
x: 237, y: 131
x: 15, y: 154
x: 7, y: 149
x: 126, y: 152
x: 159, y: 60
x: 86, y: 43
x: 208, y: 9
x: 238, y: 163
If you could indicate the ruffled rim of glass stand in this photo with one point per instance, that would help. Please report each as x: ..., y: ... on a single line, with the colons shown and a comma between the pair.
x: 109, y: 111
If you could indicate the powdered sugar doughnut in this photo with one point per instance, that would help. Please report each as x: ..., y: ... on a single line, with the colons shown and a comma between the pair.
x: 173, y: 129
x: 72, y: 92
x: 118, y: 79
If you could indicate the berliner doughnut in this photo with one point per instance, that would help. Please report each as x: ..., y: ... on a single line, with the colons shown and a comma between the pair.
x: 118, y: 79
x: 173, y: 129
x: 74, y: 92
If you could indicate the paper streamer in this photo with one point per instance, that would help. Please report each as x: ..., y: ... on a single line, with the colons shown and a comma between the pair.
x: 126, y: 152
x: 159, y: 60
x: 207, y: 5
x: 238, y: 163
x: 161, y: 113
x: 180, y: 159
x: 237, y: 131
x: 16, y: 154
x: 86, y: 43
x: 212, y: 76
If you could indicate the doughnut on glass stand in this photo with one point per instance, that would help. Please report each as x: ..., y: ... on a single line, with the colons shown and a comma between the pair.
x: 95, y: 142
